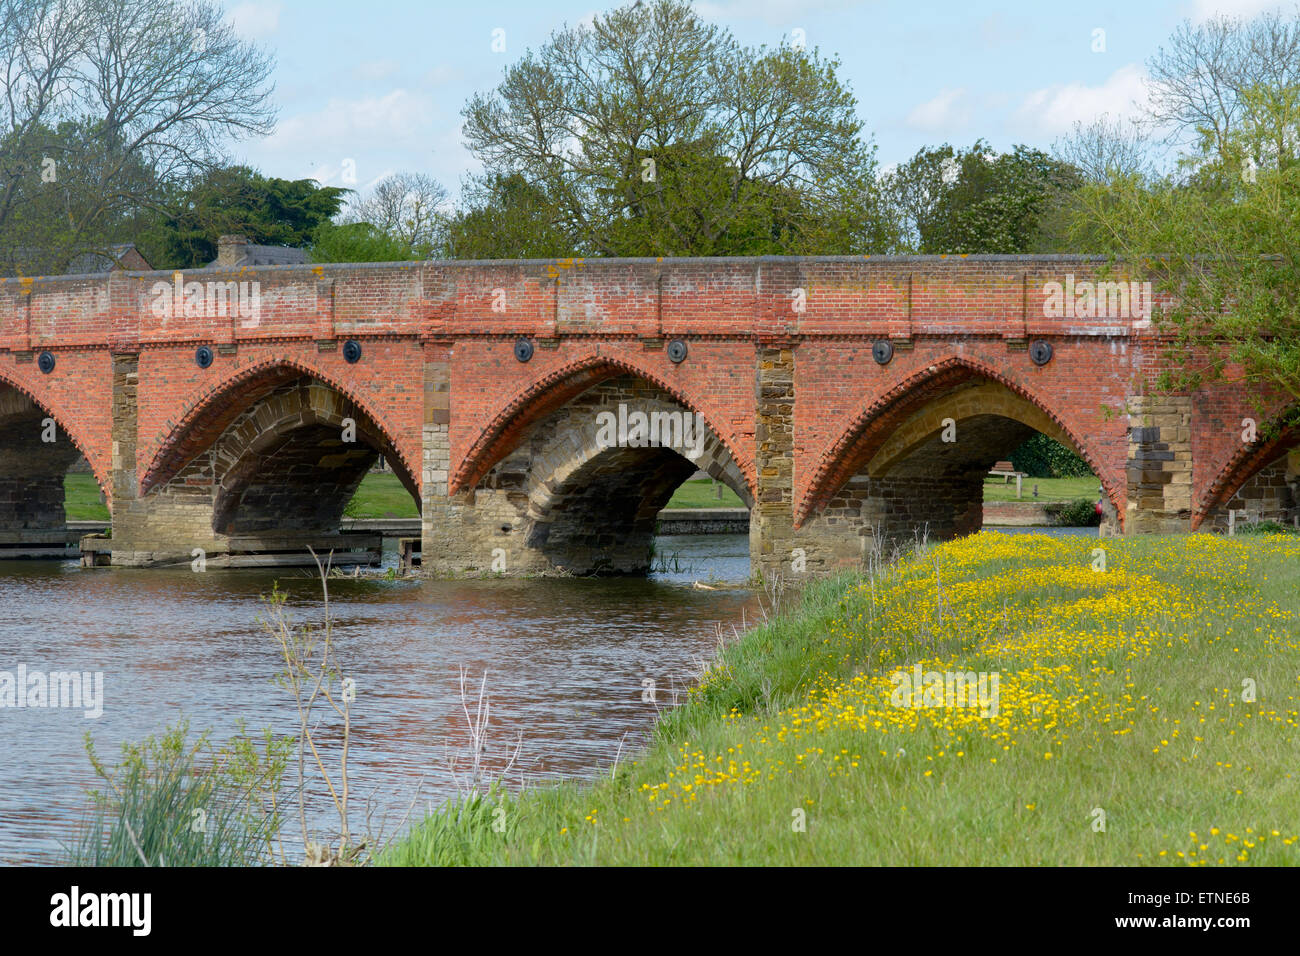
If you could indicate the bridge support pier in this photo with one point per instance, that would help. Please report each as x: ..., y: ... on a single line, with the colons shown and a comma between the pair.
x: 159, y: 531
x: 163, y: 530
x: 1159, y: 464
x: 772, y: 537
x: 462, y: 532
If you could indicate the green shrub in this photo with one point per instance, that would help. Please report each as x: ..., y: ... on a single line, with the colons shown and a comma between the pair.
x: 471, y: 827
x: 357, y: 242
x: 1265, y: 527
x: 1043, y: 457
x: 1079, y: 513
x: 170, y: 802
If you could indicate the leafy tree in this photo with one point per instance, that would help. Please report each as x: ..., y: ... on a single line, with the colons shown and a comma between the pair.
x: 1042, y: 457
x: 358, y: 242
x: 652, y: 132
x: 406, y: 207
x: 104, y: 106
x: 973, y: 201
x: 236, y: 200
x: 1202, y: 82
x: 1220, y: 235
x: 55, y: 211
x: 506, y: 217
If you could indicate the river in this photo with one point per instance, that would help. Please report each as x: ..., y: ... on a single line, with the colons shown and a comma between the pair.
x: 565, y: 662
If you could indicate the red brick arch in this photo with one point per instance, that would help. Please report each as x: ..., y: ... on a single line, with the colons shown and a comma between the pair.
x: 84, y: 442
x: 553, y: 389
x: 870, y: 427
x: 215, y: 408
x: 1243, y: 465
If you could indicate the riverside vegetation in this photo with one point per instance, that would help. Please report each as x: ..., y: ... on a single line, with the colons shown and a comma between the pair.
x: 1148, y: 713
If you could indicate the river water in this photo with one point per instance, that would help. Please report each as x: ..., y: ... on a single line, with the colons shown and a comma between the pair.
x: 565, y: 662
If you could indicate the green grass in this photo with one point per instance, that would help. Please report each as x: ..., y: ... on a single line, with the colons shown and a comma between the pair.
x: 1123, y: 698
x: 81, y: 498
x: 1049, y: 489
x: 173, y: 801
x: 382, y: 495
x: 702, y: 493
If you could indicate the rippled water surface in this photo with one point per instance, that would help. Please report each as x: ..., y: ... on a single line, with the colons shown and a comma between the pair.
x: 565, y: 663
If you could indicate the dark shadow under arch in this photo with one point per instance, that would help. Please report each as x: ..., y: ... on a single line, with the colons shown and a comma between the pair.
x: 1279, y: 436
x: 551, y: 392
x: 208, y: 417
x: 873, y: 425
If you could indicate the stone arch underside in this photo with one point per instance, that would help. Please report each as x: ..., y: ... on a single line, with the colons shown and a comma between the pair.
x: 575, y: 495
x: 907, y: 480
x: 32, y: 467
x: 1260, y: 483
x: 284, y: 459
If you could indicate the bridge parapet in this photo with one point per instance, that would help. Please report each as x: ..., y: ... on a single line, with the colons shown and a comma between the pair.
x: 769, y: 297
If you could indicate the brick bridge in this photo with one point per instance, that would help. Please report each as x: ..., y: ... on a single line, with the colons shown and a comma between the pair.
x: 844, y: 399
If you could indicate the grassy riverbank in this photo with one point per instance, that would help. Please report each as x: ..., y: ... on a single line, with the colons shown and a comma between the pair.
x: 1124, y: 701
x: 1049, y: 489
x: 382, y: 495
x: 81, y: 498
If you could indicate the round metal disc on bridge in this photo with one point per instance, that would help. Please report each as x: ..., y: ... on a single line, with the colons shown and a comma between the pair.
x: 818, y: 387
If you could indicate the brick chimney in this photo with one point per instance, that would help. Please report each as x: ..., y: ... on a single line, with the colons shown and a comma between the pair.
x: 231, y: 250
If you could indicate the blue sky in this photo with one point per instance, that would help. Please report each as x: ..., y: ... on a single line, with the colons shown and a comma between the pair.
x: 367, y: 89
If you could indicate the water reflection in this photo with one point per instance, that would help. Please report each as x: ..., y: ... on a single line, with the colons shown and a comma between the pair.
x: 565, y: 661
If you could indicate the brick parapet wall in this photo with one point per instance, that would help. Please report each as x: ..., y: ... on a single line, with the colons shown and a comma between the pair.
x: 899, y: 296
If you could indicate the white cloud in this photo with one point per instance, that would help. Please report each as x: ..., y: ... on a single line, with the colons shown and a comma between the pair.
x: 255, y: 21
x: 376, y: 70
x: 346, y: 129
x: 1055, y: 109
x: 944, y: 112
x: 443, y: 74
x: 1203, y: 10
